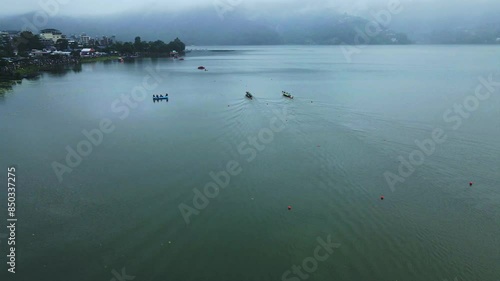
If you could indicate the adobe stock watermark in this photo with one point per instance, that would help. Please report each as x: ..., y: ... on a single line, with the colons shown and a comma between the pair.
x: 455, y: 116
x: 94, y: 137
x: 222, y: 7
x: 121, y: 276
x: 310, y: 264
x: 381, y: 19
x: 221, y: 179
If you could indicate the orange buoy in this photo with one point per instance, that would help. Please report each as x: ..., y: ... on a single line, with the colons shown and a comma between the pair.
x: 289, y: 208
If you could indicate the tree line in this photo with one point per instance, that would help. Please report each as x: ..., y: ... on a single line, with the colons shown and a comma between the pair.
x: 27, y: 41
x: 152, y: 47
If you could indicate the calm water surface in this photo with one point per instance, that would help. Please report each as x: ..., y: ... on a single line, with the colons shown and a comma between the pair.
x: 118, y: 210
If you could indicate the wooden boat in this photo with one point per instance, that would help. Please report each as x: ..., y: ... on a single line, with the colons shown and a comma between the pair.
x: 161, y: 98
x: 286, y: 94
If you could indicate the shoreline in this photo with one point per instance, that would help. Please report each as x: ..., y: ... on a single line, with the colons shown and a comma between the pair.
x: 32, y: 71
x: 98, y: 59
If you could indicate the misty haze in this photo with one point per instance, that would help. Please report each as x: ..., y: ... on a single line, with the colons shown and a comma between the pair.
x: 250, y: 140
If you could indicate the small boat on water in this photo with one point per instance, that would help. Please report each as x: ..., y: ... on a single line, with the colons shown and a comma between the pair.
x: 287, y: 95
x: 248, y: 95
x: 157, y: 97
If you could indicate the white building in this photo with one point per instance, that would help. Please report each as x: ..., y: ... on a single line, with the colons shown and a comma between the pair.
x: 51, y: 34
x: 87, y: 52
x: 84, y: 39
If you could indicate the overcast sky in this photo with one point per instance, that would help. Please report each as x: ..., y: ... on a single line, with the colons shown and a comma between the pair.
x: 102, y: 7
x: 73, y: 7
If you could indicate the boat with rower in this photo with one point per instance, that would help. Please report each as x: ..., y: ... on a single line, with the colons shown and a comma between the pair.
x: 160, y: 97
x: 287, y: 95
x: 248, y: 95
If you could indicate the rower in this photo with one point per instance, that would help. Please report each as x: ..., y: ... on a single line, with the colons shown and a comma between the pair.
x: 161, y: 96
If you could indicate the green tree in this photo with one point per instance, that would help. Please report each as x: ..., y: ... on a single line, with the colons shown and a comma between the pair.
x: 6, y: 49
x: 26, y: 41
x: 128, y: 48
x: 137, y: 44
x: 62, y: 44
x: 144, y: 47
x: 118, y: 47
x: 178, y: 45
x: 73, y: 45
x: 157, y: 47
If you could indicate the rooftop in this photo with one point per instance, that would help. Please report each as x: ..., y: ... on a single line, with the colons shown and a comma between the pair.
x: 50, y: 30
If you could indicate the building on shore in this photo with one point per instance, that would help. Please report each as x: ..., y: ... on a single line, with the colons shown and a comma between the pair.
x: 87, y: 52
x: 39, y: 53
x: 9, y: 35
x: 4, y: 38
x: 84, y: 39
x: 51, y: 34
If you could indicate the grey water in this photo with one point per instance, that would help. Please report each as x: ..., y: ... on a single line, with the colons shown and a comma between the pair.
x: 117, y: 209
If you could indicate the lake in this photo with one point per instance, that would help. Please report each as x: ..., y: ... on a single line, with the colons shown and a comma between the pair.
x: 114, y: 186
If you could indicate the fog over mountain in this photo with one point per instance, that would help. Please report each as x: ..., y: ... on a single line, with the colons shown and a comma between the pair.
x: 267, y: 22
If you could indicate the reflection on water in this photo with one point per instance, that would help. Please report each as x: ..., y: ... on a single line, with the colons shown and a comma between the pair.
x: 61, y: 71
x: 56, y: 71
x: 6, y: 85
x: 156, y: 100
x: 77, y: 68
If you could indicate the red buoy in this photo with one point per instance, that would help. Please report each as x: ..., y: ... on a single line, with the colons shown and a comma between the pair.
x: 381, y: 197
x: 289, y: 208
x: 470, y: 183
